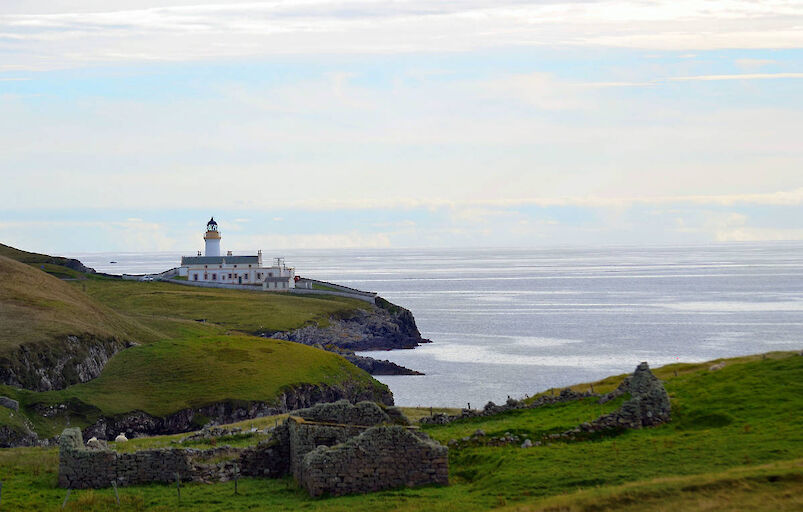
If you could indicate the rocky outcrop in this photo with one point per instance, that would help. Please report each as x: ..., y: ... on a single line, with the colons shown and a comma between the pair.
x: 383, y: 327
x: 378, y: 366
x: 9, y: 403
x: 54, y: 366
x: 138, y: 423
x: 11, y: 437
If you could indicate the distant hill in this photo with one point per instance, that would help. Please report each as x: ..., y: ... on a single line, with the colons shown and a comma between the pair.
x: 56, y: 265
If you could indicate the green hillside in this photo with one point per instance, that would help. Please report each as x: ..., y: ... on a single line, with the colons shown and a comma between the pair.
x: 246, y: 311
x: 39, y: 308
x: 735, y: 444
x: 170, y: 375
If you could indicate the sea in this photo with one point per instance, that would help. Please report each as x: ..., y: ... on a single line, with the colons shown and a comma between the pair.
x: 513, y: 322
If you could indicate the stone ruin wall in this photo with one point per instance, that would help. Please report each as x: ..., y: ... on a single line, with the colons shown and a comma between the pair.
x: 383, y: 457
x: 306, y: 436
x: 81, y: 467
x: 326, y: 458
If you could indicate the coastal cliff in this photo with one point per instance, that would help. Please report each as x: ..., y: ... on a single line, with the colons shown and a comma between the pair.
x: 385, y: 326
x: 47, y: 367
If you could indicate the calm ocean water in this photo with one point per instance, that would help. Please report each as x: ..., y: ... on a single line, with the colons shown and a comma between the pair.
x: 518, y: 321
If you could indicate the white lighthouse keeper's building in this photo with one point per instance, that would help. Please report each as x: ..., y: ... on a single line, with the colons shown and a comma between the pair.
x: 237, y: 270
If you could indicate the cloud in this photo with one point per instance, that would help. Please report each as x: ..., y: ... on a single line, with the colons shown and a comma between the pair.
x: 48, y: 38
x: 477, y: 208
x: 352, y: 240
x: 744, y: 76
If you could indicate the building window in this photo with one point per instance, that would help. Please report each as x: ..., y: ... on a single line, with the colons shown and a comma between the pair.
x: 220, y: 266
x: 249, y: 266
x: 270, y: 274
x: 206, y: 276
x: 204, y: 266
x: 214, y: 277
x: 195, y: 276
x: 235, y: 266
x: 245, y: 277
x: 229, y: 276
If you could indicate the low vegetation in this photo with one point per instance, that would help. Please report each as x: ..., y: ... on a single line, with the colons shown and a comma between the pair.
x: 735, y: 443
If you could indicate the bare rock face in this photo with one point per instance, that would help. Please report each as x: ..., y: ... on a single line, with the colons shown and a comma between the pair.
x: 76, y: 359
x: 9, y: 403
x: 138, y: 423
x: 384, y: 327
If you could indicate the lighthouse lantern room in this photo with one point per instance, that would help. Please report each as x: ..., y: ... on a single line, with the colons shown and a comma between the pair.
x: 212, y: 239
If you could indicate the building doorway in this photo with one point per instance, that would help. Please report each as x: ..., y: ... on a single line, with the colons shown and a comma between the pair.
x: 239, y: 279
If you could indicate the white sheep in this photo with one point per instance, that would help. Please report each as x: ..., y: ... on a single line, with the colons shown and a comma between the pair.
x: 121, y: 438
x: 92, y: 442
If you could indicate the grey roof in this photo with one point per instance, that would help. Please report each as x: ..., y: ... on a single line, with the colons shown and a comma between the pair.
x: 219, y: 260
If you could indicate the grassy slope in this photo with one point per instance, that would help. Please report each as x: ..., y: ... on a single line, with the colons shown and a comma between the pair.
x: 245, y: 311
x: 165, y: 377
x: 53, y: 265
x: 37, y: 307
x: 27, y: 257
x: 736, y: 443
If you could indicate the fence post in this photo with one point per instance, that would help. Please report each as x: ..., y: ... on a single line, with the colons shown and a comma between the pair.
x: 116, y: 495
x: 64, y: 503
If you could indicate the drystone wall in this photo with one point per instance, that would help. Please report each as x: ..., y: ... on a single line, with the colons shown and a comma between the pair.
x: 305, y: 437
x: 383, y: 457
x: 82, y: 467
x: 366, y: 455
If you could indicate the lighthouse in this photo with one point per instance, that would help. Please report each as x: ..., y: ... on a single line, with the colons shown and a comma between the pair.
x: 212, y: 239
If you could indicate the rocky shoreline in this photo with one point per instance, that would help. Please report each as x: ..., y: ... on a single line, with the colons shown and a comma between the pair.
x: 385, y: 326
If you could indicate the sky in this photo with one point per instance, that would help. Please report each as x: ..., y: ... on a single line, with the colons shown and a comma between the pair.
x: 125, y: 125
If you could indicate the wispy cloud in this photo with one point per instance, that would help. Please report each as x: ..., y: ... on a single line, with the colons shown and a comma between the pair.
x: 742, y: 76
x: 181, y: 30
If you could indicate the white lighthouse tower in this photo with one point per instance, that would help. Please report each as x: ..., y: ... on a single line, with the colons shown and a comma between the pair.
x: 212, y: 239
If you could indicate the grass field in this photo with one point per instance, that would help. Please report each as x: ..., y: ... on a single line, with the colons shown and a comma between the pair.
x: 246, y: 311
x: 735, y: 443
